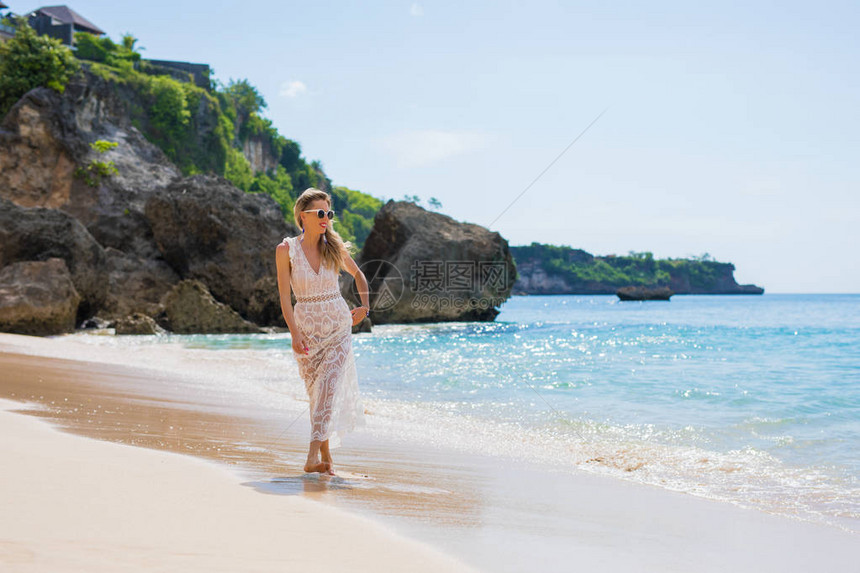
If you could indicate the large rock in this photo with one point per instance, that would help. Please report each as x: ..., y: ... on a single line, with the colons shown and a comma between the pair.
x: 191, y: 309
x: 426, y: 267
x: 38, y: 156
x: 136, y: 284
x: 207, y: 229
x: 39, y: 234
x: 644, y: 293
x: 137, y: 323
x: 37, y: 298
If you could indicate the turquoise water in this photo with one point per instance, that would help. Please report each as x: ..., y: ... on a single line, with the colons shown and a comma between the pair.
x: 748, y: 399
x: 778, y: 373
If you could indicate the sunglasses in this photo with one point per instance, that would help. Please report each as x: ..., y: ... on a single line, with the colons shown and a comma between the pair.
x: 320, y: 213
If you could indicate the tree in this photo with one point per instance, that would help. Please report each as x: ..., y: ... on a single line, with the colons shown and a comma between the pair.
x: 129, y: 42
x: 246, y: 98
x: 103, y: 49
x: 644, y: 255
x: 435, y: 203
x: 29, y: 61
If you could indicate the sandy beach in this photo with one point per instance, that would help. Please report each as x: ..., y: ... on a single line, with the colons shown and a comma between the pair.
x: 205, y: 489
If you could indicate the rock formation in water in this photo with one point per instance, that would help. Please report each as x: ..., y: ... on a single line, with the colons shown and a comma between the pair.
x: 426, y: 267
x: 137, y: 323
x: 644, y: 293
x: 190, y: 308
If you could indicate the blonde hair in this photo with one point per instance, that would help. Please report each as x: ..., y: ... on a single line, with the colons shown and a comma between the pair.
x: 332, y: 249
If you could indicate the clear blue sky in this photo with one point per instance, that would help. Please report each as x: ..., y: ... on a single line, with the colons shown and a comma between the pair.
x: 732, y: 129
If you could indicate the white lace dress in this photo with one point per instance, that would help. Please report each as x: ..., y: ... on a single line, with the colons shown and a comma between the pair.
x: 328, y: 369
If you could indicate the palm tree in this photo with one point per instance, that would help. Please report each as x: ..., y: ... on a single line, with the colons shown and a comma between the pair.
x: 129, y: 42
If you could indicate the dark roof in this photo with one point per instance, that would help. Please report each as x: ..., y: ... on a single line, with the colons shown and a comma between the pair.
x: 68, y: 16
x: 2, y: 5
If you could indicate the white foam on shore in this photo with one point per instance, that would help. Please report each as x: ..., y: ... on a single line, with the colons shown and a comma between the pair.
x: 747, y: 478
x: 263, y: 379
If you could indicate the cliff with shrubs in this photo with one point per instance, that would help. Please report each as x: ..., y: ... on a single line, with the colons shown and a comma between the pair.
x: 550, y: 269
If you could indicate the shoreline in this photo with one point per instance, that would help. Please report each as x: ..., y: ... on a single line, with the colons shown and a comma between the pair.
x: 457, y: 504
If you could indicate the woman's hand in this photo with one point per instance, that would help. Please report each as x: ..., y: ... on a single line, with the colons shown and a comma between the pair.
x: 300, y: 345
x: 358, y: 314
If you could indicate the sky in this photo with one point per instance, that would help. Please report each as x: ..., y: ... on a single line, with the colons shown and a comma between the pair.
x: 727, y: 128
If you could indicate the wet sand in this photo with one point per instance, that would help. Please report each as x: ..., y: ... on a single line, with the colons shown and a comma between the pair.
x: 489, y: 513
x: 75, y: 504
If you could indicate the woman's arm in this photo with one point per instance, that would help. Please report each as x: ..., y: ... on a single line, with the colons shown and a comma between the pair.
x: 362, y: 286
x: 282, y: 261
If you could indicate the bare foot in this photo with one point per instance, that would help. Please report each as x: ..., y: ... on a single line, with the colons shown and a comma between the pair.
x: 328, y: 461
x: 321, y: 467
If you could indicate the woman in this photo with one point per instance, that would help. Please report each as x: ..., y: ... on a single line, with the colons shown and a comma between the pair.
x: 321, y: 324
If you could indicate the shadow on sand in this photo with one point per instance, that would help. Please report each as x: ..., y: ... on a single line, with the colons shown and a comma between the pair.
x: 302, y: 484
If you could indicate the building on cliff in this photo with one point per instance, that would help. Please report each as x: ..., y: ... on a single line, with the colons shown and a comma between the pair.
x: 180, y: 70
x: 61, y: 22
x: 6, y: 32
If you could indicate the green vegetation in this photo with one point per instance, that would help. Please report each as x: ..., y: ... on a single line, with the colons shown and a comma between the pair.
x: 584, y: 270
x: 355, y: 212
x: 104, y: 50
x: 97, y: 169
x: 432, y: 203
x: 29, y: 61
x: 241, y: 106
x: 181, y: 118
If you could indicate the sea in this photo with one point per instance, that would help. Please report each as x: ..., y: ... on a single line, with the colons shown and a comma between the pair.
x: 750, y: 400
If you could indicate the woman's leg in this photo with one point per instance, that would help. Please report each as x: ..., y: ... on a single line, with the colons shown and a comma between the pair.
x: 326, y: 457
x: 314, y: 464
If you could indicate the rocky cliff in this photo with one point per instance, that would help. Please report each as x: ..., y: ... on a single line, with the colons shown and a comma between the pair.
x: 127, y: 240
x: 547, y: 269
